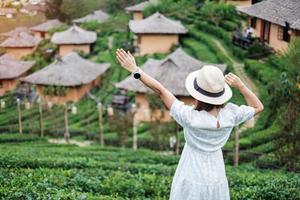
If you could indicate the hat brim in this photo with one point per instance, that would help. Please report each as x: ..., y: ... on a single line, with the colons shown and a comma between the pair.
x: 189, y: 84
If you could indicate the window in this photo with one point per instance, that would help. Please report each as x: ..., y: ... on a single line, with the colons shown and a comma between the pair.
x: 253, y: 22
x: 283, y: 34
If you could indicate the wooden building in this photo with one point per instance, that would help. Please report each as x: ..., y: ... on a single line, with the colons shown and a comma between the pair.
x: 10, y: 72
x: 16, y: 31
x: 20, y: 44
x: 275, y: 21
x: 74, y: 39
x: 42, y: 30
x: 171, y: 72
x: 98, y: 16
x: 156, y: 34
x: 137, y: 10
x: 67, y: 79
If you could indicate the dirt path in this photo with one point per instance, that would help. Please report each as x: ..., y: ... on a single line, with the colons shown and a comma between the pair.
x: 63, y: 141
x: 239, y: 69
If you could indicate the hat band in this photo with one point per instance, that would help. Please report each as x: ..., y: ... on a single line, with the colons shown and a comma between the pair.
x: 209, y: 94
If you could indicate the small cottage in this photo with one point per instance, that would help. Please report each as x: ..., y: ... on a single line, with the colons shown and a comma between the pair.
x: 10, y: 72
x: 42, y: 30
x: 177, y: 65
x: 8, y: 12
x: 16, y: 31
x: 20, y: 44
x: 156, y: 34
x: 67, y: 79
x: 137, y: 10
x: 275, y: 21
x: 74, y: 39
x: 98, y: 16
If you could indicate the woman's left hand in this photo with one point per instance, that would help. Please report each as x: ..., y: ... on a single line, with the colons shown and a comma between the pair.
x: 126, y: 60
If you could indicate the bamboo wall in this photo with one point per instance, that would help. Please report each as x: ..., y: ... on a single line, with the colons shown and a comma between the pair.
x: 19, y: 52
x: 65, y: 49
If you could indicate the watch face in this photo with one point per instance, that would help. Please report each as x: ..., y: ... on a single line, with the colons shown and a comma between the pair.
x: 137, y: 75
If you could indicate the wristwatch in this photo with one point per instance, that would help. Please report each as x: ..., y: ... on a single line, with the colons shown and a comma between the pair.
x: 137, y: 73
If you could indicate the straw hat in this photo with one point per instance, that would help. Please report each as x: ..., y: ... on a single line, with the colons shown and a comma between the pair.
x: 208, y: 85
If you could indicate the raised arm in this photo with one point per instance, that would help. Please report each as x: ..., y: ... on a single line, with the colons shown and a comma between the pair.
x: 251, y: 99
x: 128, y: 62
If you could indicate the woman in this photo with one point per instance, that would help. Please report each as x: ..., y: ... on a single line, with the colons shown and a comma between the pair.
x: 200, y: 173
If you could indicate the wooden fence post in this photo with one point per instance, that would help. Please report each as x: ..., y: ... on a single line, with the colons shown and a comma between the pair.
x: 67, y: 133
x: 236, y: 147
x: 177, y: 145
x: 100, y: 122
x: 134, y: 127
x: 19, y: 116
x: 41, y: 118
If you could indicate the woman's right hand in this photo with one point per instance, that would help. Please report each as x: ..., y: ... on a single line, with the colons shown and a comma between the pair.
x: 234, y: 81
x: 126, y: 60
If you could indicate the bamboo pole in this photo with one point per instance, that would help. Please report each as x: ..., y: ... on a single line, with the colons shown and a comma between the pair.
x: 177, y: 145
x: 67, y: 133
x: 100, y: 122
x: 134, y: 127
x: 41, y: 118
x: 236, y: 147
x: 19, y: 116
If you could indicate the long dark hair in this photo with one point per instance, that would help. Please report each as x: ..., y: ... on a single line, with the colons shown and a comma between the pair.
x: 206, y: 106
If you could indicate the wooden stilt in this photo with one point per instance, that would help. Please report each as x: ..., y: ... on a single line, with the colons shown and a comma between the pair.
x: 19, y: 116
x: 41, y: 118
x: 236, y: 147
x: 67, y: 133
x: 100, y: 122
x: 134, y: 136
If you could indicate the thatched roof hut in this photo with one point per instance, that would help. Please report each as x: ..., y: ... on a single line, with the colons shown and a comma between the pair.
x: 97, y: 15
x: 47, y: 26
x: 10, y: 71
x: 157, y: 24
x: 70, y: 70
x: 171, y: 72
x: 11, y: 68
x: 74, y: 35
x: 16, y: 31
x: 22, y: 39
x: 276, y: 11
x: 138, y: 7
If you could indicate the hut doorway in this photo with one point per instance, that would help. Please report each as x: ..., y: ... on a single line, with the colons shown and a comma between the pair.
x: 266, y: 27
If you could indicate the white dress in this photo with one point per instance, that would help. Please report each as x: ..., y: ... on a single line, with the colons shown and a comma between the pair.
x: 200, y: 174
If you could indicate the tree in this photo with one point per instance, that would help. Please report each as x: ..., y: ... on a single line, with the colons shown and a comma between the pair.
x: 285, y: 98
x: 53, y: 9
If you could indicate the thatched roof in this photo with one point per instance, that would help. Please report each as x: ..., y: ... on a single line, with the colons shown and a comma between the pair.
x: 138, y: 7
x: 171, y: 72
x: 22, y: 39
x: 98, y: 16
x: 16, y: 31
x: 157, y: 23
x: 70, y: 70
x: 276, y: 11
x: 74, y: 35
x: 48, y: 25
x: 11, y: 68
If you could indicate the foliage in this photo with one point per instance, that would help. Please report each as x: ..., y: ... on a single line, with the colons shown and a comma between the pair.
x: 217, y: 12
x: 48, y: 171
x: 285, y: 98
x: 114, y: 6
x: 258, y: 50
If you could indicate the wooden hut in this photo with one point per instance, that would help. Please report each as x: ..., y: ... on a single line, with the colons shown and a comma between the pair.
x: 73, y: 39
x: 98, y: 16
x: 42, y: 30
x: 16, y: 31
x: 137, y: 10
x: 20, y: 44
x: 274, y: 21
x: 156, y: 34
x: 10, y: 72
x: 67, y: 79
x: 171, y: 72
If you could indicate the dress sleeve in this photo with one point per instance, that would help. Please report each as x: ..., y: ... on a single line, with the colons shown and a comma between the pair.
x: 181, y: 113
x: 242, y: 113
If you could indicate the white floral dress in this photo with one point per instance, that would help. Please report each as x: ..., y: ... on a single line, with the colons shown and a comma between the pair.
x: 200, y: 174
